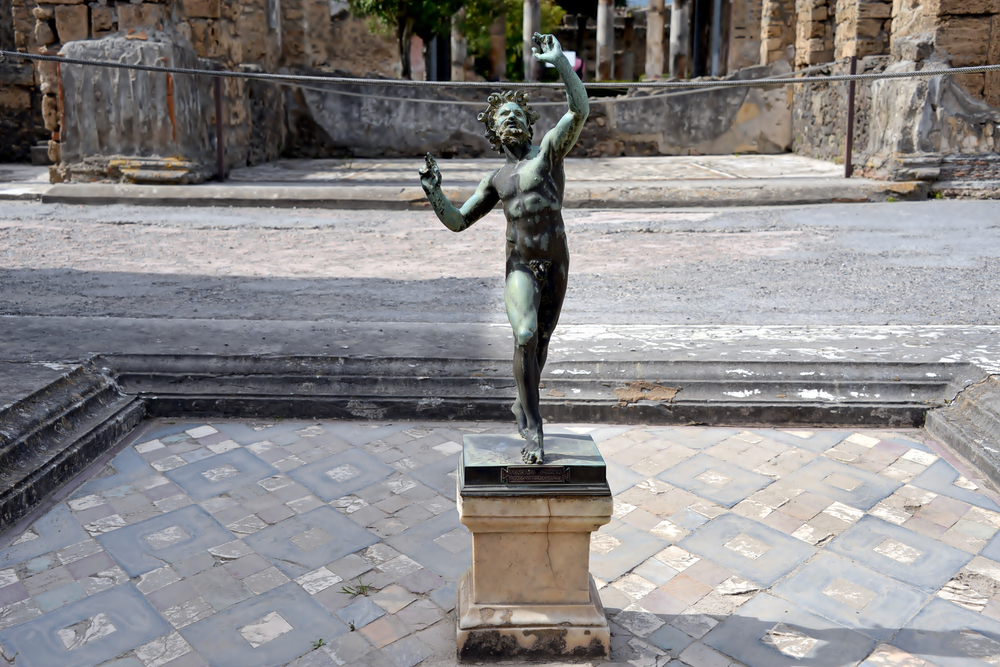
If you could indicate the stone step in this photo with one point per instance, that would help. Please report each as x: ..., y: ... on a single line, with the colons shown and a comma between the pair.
x: 971, y: 425
x: 57, y: 432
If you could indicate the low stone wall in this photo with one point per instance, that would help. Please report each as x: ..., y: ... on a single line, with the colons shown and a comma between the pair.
x: 18, y: 107
x: 731, y: 120
x: 819, y: 114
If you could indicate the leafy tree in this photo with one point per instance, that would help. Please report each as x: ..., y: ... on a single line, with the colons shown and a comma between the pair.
x: 480, y: 14
x: 405, y: 18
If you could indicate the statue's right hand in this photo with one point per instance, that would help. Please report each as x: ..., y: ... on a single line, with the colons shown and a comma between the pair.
x: 430, y: 176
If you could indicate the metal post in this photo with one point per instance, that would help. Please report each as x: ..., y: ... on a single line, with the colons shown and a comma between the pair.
x: 220, y: 149
x: 848, y: 153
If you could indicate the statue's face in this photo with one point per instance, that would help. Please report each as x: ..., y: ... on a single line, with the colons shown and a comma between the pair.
x: 511, y: 124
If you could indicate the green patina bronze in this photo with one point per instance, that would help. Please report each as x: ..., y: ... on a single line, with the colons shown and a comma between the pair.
x: 530, y: 187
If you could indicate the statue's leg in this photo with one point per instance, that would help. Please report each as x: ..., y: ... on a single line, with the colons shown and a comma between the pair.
x: 522, y: 296
x: 549, y: 308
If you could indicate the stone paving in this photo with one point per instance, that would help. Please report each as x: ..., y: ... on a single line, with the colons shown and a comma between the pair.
x: 338, y: 543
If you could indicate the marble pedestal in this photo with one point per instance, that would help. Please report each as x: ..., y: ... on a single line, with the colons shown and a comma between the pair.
x: 529, y: 592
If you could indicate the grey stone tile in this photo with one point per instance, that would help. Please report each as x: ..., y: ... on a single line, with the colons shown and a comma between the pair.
x: 439, y: 475
x: 418, y: 543
x: 621, y: 548
x: 220, y: 474
x: 347, y: 648
x: 408, y: 652
x: 827, y: 477
x: 171, y: 538
x: 719, y: 481
x: 669, y: 639
x: 820, y: 440
x: 98, y: 628
x: 946, y: 635
x: 58, y: 597
x: 446, y: 597
x: 620, y: 478
x: 919, y: 561
x: 767, y: 555
x: 219, y: 640
x: 360, y: 613
x: 341, y: 474
x: 758, y: 631
x: 276, y: 544
x: 421, y: 581
x: 852, y: 596
x: 940, y: 478
x: 56, y: 530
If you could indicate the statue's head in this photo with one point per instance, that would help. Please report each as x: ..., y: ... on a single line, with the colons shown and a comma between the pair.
x: 508, y: 119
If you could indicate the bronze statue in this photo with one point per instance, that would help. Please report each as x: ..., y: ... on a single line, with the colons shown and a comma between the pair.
x: 530, y: 186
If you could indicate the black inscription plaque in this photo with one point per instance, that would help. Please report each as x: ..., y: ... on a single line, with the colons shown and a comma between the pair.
x: 491, y: 465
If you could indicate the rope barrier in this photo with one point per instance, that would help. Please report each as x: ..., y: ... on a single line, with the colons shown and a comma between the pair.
x: 407, y: 83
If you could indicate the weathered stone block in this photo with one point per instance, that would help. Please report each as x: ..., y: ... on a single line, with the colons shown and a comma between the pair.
x: 54, y: 152
x: 50, y: 112
x: 43, y: 13
x: 114, y: 113
x: 874, y: 10
x: 72, y: 22
x: 964, y: 39
x: 972, y: 83
x: 869, y: 27
x: 102, y: 19
x: 871, y: 47
x: 948, y: 7
x: 16, y: 74
x: 15, y: 98
x: 44, y: 33
x: 819, y: 57
x: 205, y: 9
x: 912, y: 47
x: 139, y: 17
x: 773, y: 44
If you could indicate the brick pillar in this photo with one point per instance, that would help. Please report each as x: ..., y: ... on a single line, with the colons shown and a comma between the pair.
x: 531, y: 24
x: 777, y: 30
x: 655, y: 19
x: 605, y: 40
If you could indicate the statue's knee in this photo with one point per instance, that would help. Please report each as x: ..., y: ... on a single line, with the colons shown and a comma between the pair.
x: 523, y: 335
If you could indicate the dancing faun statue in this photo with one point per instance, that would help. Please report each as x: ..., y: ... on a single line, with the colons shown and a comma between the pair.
x: 530, y: 186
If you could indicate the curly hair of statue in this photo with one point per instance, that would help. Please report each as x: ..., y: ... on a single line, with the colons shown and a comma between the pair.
x: 495, y: 101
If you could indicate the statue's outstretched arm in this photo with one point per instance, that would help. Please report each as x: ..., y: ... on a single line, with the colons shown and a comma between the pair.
x: 480, y: 203
x: 560, y: 140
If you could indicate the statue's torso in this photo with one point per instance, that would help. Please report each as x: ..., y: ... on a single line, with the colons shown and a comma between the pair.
x: 531, y: 192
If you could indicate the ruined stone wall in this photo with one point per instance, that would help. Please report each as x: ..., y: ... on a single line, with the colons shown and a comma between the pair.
x: 777, y: 31
x: 863, y: 28
x: 19, y: 107
x: 724, y: 120
x: 355, y: 50
x: 814, y: 27
x: 819, y: 114
x: 744, y: 33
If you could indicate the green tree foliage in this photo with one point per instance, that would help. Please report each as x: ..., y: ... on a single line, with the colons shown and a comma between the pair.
x: 405, y: 18
x: 480, y: 14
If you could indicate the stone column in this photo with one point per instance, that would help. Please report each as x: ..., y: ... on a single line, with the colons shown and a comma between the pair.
x: 498, y: 48
x: 654, y: 39
x: 531, y: 24
x: 680, y: 40
x: 605, y: 40
x: 459, y: 47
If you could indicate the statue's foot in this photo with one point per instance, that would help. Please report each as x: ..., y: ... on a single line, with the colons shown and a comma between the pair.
x: 532, y: 452
x: 519, y: 416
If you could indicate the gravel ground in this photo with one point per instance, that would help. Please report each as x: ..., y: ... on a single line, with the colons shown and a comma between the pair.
x: 935, y: 262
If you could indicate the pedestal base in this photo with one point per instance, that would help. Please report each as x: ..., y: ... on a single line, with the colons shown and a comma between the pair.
x: 535, y: 631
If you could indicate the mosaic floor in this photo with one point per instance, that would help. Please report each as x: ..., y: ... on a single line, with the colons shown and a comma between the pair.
x: 239, y: 544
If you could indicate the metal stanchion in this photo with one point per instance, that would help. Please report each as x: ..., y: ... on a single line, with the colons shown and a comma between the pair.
x: 848, y: 153
x: 220, y: 147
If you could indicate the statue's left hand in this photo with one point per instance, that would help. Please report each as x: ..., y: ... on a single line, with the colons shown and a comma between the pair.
x: 547, y: 48
x: 430, y: 175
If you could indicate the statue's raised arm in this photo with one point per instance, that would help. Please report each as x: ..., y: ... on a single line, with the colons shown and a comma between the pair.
x: 560, y: 140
